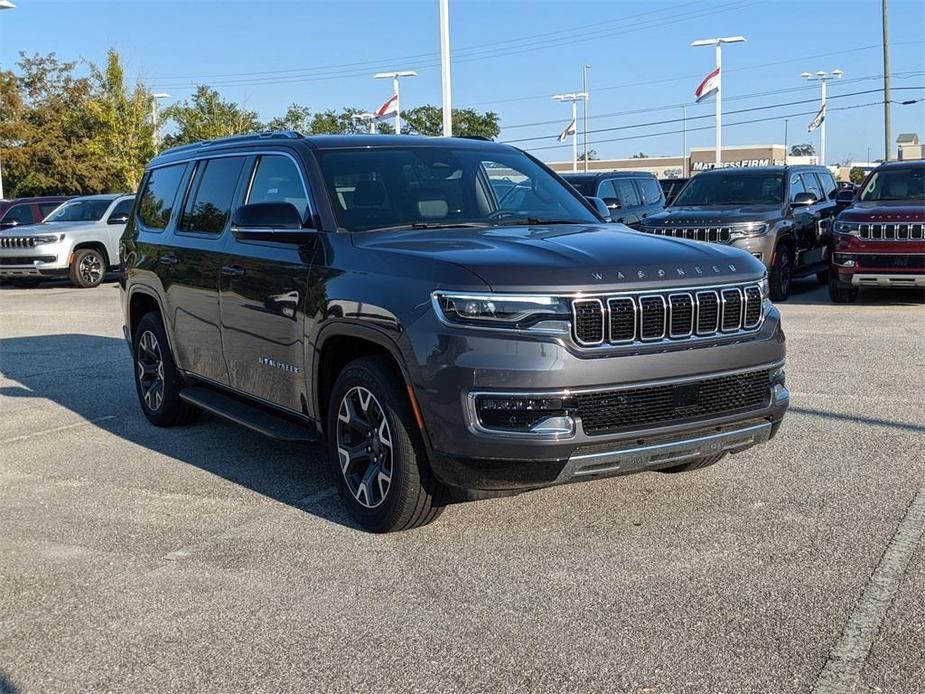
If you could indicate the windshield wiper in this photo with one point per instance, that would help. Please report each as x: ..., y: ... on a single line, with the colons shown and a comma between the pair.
x: 432, y: 225
x: 536, y: 221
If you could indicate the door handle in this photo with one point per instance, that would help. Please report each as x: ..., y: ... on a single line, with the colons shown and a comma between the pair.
x: 233, y: 271
x: 170, y: 260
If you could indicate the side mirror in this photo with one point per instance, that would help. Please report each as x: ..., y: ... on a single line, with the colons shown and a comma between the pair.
x: 269, y: 221
x: 118, y: 219
x: 844, y: 197
x: 600, y: 207
x: 804, y: 199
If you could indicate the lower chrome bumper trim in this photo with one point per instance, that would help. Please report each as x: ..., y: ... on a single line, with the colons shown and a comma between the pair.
x: 860, y: 279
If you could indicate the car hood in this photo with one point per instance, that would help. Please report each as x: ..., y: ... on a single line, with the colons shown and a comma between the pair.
x: 47, y: 228
x: 574, y: 257
x: 885, y: 211
x: 714, y: 215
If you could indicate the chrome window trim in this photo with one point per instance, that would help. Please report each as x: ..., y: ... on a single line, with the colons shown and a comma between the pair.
x: 671, y: 314
x: 574, y: 330
x: 660, y: 297
x: 635, y: 320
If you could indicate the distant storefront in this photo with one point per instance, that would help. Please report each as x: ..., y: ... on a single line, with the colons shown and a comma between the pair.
x: 700, y: 159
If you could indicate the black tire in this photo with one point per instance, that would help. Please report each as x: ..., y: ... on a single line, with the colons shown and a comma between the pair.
x: 157, y: 381
x: 696, y: 464
x: 839, y: 293
x: 88, y: 268
x: 386, y: 487
x: 781, y: 275
x: 823, y: 277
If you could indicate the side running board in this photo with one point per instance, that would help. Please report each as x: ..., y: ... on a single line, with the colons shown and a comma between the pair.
x: 253, y: 418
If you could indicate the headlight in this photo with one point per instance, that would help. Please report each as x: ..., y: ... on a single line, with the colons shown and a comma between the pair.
x: 48, y: 239
x: 499, y: 310
x: 847, y: 228
x: 751, y: 229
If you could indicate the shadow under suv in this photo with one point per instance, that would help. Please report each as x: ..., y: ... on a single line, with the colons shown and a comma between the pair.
x: 444, y: 313
x: 782, y: 215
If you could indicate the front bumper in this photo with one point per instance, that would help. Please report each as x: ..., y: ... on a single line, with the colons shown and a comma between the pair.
x: 468, y: 456
x: 859, y: 262
x: 44, y: 260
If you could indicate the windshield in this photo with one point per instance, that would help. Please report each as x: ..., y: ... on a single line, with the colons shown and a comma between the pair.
x: 80, y: 211
x: 444, y: 186
x: 733, y: 189
x: 896, y: 184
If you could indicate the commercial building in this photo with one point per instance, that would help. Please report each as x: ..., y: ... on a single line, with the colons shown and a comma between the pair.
x: 699, y: 159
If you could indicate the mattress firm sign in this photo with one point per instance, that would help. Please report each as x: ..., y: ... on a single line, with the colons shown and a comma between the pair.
x: 741, y: 163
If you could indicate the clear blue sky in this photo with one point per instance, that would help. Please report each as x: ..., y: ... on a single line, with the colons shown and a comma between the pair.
x: 511, y: 56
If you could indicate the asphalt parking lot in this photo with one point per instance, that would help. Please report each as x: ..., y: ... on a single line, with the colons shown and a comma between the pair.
x: 208, y: 558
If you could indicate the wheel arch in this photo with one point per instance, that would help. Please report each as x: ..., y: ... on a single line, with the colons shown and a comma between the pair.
x: 94, y: 245
x: 141, y: 301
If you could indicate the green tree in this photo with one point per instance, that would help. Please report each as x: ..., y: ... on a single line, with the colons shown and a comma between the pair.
x: 592, y: 155
x: 856, y: 174
x: 428, y: 120
x: 46, y: 129
x: 640, y: 155
x: 207, y: 117
x: 122, y: 142
x: 806, y: 150
x: 297, y: 118
x: 338, y: 123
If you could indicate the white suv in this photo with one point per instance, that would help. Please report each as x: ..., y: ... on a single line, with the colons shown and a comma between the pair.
x: 79, y: 239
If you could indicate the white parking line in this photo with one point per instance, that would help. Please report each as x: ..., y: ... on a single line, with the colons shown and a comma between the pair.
x: 56, y: 429
x: 849, y: 655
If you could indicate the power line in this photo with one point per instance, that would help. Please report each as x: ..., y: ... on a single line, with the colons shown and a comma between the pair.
x: 706, y: 115
x: 725, y: 125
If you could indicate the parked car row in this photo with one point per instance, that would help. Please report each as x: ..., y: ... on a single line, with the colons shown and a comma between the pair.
x: 77, y: 238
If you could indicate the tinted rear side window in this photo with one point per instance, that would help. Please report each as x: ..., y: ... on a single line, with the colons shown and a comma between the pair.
x: 812, y: 185
x: 208, y: 205
x: 626, y: 192
x: 46, y: 208
x: 651, y: 190
x: 158, y: 195
x: 829, y: 187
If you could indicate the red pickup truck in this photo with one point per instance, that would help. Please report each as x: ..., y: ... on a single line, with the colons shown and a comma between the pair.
x: 879, y: 240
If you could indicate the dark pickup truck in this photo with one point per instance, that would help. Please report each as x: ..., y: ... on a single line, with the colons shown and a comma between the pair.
x: 445, y: 314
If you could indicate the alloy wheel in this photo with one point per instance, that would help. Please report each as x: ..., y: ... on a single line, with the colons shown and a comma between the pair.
x: 364, y: 447
x: 91, y: 268
x: 784, y: 271
x: 150, y: 364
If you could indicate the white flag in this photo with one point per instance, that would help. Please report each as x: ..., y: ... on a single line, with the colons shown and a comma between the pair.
x: 570, y: 130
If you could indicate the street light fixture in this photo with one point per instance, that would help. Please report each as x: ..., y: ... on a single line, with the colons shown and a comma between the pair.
x: 718, y: 43
x: 822, y: 76
x: 573, y: 98
x: 366, y: 118
x: 395, y: 76
x: 154, y: 133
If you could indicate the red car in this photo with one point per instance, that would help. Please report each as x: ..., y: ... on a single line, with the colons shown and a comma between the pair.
x: 21, y: 211
x: 879, y: 241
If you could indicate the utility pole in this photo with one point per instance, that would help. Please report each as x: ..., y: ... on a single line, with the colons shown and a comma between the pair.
x: 786, y: 145
x: 4, y: 5
x: 574, y: 99
x: 445, y: 68
x: 684, y: 141
x: 154, y: 133
x: 718, y: 44
x: 584, y: 109
x: 887, y: 145
x: 823, y: 77
x: 395, y: 76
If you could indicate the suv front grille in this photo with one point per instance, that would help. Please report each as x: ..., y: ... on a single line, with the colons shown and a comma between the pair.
x: 676, y: 315
x: 892, y: 232
x: 17, y: 242
x: 715, y: 234
x: 604, y: 412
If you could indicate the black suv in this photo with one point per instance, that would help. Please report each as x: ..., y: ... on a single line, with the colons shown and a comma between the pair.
x: 631, y: 196
x: 445, y: 313
x: 782, y: 215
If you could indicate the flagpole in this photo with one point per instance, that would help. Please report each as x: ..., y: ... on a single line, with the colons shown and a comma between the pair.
x: 822, y: 134
x: 719, y: 103
x: 395, y: 77
x: 575, y: 137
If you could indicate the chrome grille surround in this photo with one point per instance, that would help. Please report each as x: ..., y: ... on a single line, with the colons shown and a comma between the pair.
x: 17, y: 242
x: 889, y: 231
x: 695, y: 232
x: 720, y: 311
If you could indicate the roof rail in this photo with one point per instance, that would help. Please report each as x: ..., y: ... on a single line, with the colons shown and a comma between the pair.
x: 250, y: 137
x: 475, y: 137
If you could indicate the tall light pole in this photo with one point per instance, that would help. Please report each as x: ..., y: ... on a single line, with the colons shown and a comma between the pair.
x: 718, y: 43
x: 366, y: 117
x: 574, y: 98
x: 684, y: 141
x: 155, y: 136
x: 887, y: 145
x: 786, y: 127
x: 823, y: 77
x: 445, y: 68
x: 395, y: 76
x: 584, y: 109
x: 4, y: 5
